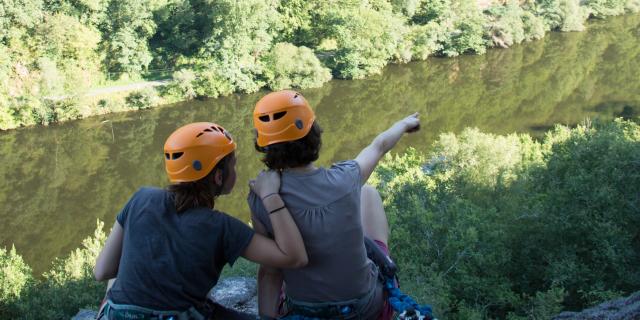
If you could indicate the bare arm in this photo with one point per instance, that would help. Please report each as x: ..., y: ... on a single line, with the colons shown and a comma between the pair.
x: 287, y: 251
x: 269, y: 286
x: 269, y: 283
x: 370, y: 156
x: 109, y: 258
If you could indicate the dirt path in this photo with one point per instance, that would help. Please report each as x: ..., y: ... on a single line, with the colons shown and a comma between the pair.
x: 483, y: 4
x: 128, y: 87
x: 115, y: 89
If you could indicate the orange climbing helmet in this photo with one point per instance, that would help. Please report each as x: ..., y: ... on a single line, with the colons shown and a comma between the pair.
x: 282, y: 116
x: 192, y: 151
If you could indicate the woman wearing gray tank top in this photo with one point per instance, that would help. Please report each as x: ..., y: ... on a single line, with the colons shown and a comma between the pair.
x: 333, y: 209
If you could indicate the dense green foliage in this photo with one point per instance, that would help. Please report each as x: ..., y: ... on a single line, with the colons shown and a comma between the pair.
x: 481, y: 226
x: 67, y: 286
x: 52, y: 50
x: 288, y: 66
x: 508, y: 227
x: 523, y: 89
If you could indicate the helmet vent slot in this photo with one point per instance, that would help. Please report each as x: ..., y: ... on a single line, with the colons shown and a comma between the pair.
x: 279, y: 115
x: 176, y: 155
x: 199, y: 134
x: 208, y: 130
x: 216, y: 129
x: 264, y: 118
x: 167, y: 156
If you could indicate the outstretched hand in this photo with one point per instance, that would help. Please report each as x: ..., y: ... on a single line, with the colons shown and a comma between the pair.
x: 411, y: 123
x: 266, y: 183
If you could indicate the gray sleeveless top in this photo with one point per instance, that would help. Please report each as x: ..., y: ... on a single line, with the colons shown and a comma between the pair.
x: 325, y: 205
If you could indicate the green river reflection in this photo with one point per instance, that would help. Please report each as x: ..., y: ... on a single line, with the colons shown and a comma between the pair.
x: 58, y: 180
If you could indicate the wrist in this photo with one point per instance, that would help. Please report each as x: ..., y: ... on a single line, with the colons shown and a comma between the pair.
x: 403, y: 126
x: 272, y: 202
x: 269, y: 194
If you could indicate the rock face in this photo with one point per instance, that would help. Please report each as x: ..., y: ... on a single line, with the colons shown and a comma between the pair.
x: 238, y: 293
x: 85, y: 314
x: 620, y: 309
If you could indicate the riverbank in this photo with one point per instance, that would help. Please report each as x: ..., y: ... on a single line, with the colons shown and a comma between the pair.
x: 562, y: 79
x: 312, y: 44
x: 483, y: 226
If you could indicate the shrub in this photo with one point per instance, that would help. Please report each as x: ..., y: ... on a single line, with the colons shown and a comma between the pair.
x: 182, y: 84
x: 632, y: 6
x: 15, y: 278
x: 68, y: 286
x: 59, y: 111
x: 510, y: 24
x: 466, y: 37
x: 28, y: 110
x: 461, y: 25
x: 426, y: 39
x: 432, y: 10
x: 241, y: 33
x: 602, y: 8
x: 288, y: 66
x: 366, y: 40
x: 533, y: 26
x: 489, y: 226
x: 574, y: 15
x: 7, y: 118
x: 563, y: 15
x: 142, y: 99
x: 210, y: 82
x: 405, y: 7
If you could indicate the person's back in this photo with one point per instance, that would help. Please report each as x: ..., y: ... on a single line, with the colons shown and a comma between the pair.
x: 170, y: 261
x: 325, y: 203
x: 332, y: 209
x: 168, y: 246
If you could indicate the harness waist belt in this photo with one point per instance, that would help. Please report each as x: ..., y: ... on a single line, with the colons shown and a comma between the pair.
x: 114, y: 311
x: 348, y: 309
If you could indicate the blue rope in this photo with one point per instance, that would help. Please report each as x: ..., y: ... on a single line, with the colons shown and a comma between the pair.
x: 401, y: 302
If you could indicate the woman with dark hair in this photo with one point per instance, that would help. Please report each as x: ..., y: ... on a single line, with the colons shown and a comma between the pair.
x: 168, y: 246
x: 334, y: 211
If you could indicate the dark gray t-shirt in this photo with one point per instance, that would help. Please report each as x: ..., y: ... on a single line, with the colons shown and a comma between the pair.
x: 170, y: 261
x: 325, y: 205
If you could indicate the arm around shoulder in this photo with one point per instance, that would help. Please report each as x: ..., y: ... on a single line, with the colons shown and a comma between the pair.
x: 287, y: 250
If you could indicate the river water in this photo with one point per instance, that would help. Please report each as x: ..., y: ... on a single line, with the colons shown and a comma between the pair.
x: 58, y: 180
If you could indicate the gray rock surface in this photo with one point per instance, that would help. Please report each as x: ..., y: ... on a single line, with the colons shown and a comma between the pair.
x: 238, y: 293
x: 85, y: 314
x: 627, y: 308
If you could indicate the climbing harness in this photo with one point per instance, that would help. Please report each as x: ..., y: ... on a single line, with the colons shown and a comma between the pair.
x: 404, y: 305
x: 113, y: 311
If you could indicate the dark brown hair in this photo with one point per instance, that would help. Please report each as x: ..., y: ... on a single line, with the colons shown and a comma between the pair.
x: 293, y: 154
x: 200, y: 193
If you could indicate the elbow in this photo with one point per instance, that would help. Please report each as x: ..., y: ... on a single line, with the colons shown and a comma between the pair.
x: 293, y: 262
x: 99, y: 274
x: 299, y: 262
x: 102, y: 274
x: 302, y: 263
